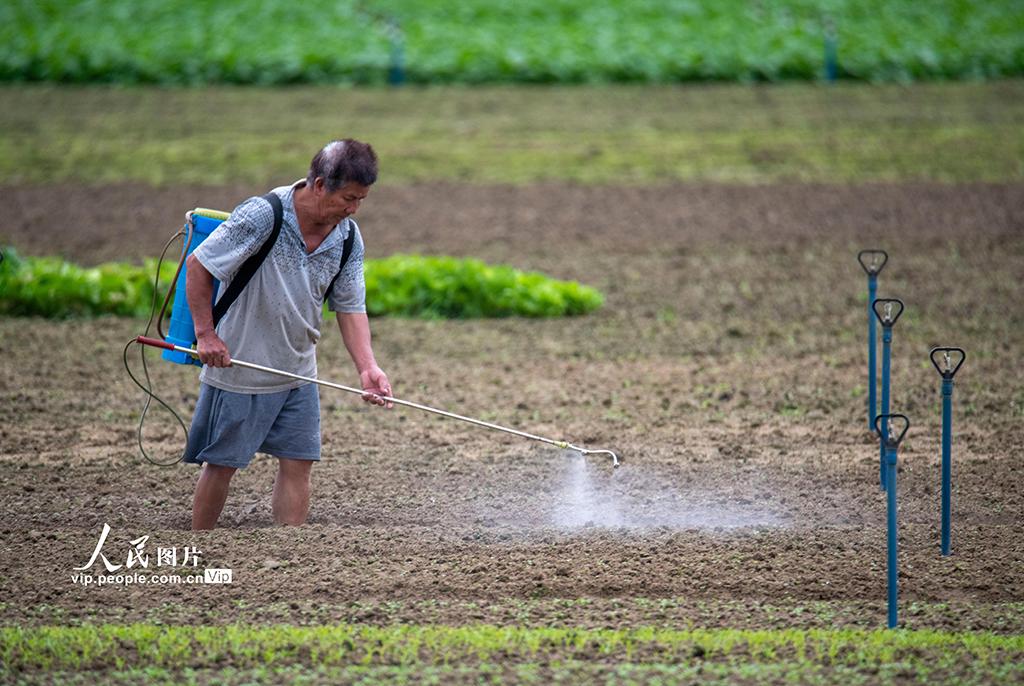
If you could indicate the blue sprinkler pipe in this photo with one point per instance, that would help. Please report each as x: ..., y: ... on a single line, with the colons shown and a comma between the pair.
x: 872, y: 261
x: 948, y: 370
x: 831, y: 58
x: 888, y: 310
x: 886, y: 367
x: 892, y: 444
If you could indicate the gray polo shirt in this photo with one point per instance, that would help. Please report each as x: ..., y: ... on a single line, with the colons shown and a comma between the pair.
x: 277, y: 318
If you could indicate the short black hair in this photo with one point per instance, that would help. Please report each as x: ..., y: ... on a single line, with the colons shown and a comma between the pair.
x: 343, y: 161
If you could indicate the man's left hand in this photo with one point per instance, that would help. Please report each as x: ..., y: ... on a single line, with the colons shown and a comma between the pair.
x: 375, y: 383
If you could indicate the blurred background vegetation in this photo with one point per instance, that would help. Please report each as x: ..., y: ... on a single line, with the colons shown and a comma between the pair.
x: 563, y: 90
x: 500, y: 92
x: 507, y: 41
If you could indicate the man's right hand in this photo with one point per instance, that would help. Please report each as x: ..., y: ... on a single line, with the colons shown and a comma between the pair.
x: 212, y: 350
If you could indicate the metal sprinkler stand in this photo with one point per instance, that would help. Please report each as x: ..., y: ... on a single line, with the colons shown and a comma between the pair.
x: 892, y: 444
x: 948, y: 370
x: 869, y: 262
x: 886, y: 311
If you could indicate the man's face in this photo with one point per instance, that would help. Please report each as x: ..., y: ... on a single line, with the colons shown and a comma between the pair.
x: 336, y: 206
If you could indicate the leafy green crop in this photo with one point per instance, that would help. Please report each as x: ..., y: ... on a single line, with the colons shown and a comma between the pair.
x: 417, y: 286
x: 474, y: 41
x: 52, y: 287
x: 404, y: 285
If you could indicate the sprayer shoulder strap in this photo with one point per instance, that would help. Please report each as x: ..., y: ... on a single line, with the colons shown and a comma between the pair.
x: 346, y: 252
x: 249, y: 267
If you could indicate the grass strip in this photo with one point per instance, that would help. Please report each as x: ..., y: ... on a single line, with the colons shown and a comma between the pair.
x: 623, y: 134
x: 120, y: 647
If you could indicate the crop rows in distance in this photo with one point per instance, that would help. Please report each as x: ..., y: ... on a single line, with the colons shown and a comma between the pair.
x: 476, y: 41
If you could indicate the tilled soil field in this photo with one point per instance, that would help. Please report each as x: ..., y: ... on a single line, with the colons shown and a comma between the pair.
x: 727, y: 368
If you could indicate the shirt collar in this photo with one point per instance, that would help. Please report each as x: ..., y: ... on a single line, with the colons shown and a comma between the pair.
x: 337, y: 234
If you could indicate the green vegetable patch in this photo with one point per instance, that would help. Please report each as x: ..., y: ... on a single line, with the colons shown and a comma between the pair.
x: 446, y: 287
x: 402, y: 285
x: 505, y: 41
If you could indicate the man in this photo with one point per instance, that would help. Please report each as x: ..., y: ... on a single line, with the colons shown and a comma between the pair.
x: 276, y: 322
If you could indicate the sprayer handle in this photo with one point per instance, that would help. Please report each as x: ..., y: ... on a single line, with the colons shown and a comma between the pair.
x: 155, y: 342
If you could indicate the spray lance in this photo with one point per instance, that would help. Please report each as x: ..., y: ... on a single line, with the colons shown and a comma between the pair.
x: 565, y: 445
x: 198, y: 225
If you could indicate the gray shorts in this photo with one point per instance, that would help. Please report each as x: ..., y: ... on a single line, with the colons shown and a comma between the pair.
x: 229, y: 428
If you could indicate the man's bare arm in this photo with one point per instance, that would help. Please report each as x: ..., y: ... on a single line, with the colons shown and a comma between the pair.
x: 199, y: 293
x: 355, y: 331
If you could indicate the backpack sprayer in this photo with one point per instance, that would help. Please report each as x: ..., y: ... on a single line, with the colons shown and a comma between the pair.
x: 178, y: 343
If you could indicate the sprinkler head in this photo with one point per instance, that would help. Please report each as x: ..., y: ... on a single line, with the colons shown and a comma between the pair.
x: 893, y: 439
x: 872, y: 261
x: 584, y: 451
x: 887, y: 310
x: 950, y: 364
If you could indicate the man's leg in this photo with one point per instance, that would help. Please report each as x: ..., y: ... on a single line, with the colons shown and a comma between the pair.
x: 211, y: 492
x: 291, y: 491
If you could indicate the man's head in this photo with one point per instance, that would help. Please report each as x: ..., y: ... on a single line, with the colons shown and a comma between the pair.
x: 340, y: 177
x: 341, y: 162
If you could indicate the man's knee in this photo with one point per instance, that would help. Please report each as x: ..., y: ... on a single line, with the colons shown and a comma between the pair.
x: 218, y: 472
x: 291, y: 491
x: 294, y: 470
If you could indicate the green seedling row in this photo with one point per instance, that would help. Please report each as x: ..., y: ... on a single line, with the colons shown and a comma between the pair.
x: 94, y: 647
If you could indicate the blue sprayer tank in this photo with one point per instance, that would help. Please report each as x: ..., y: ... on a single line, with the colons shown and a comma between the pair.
x: 182, y: 331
